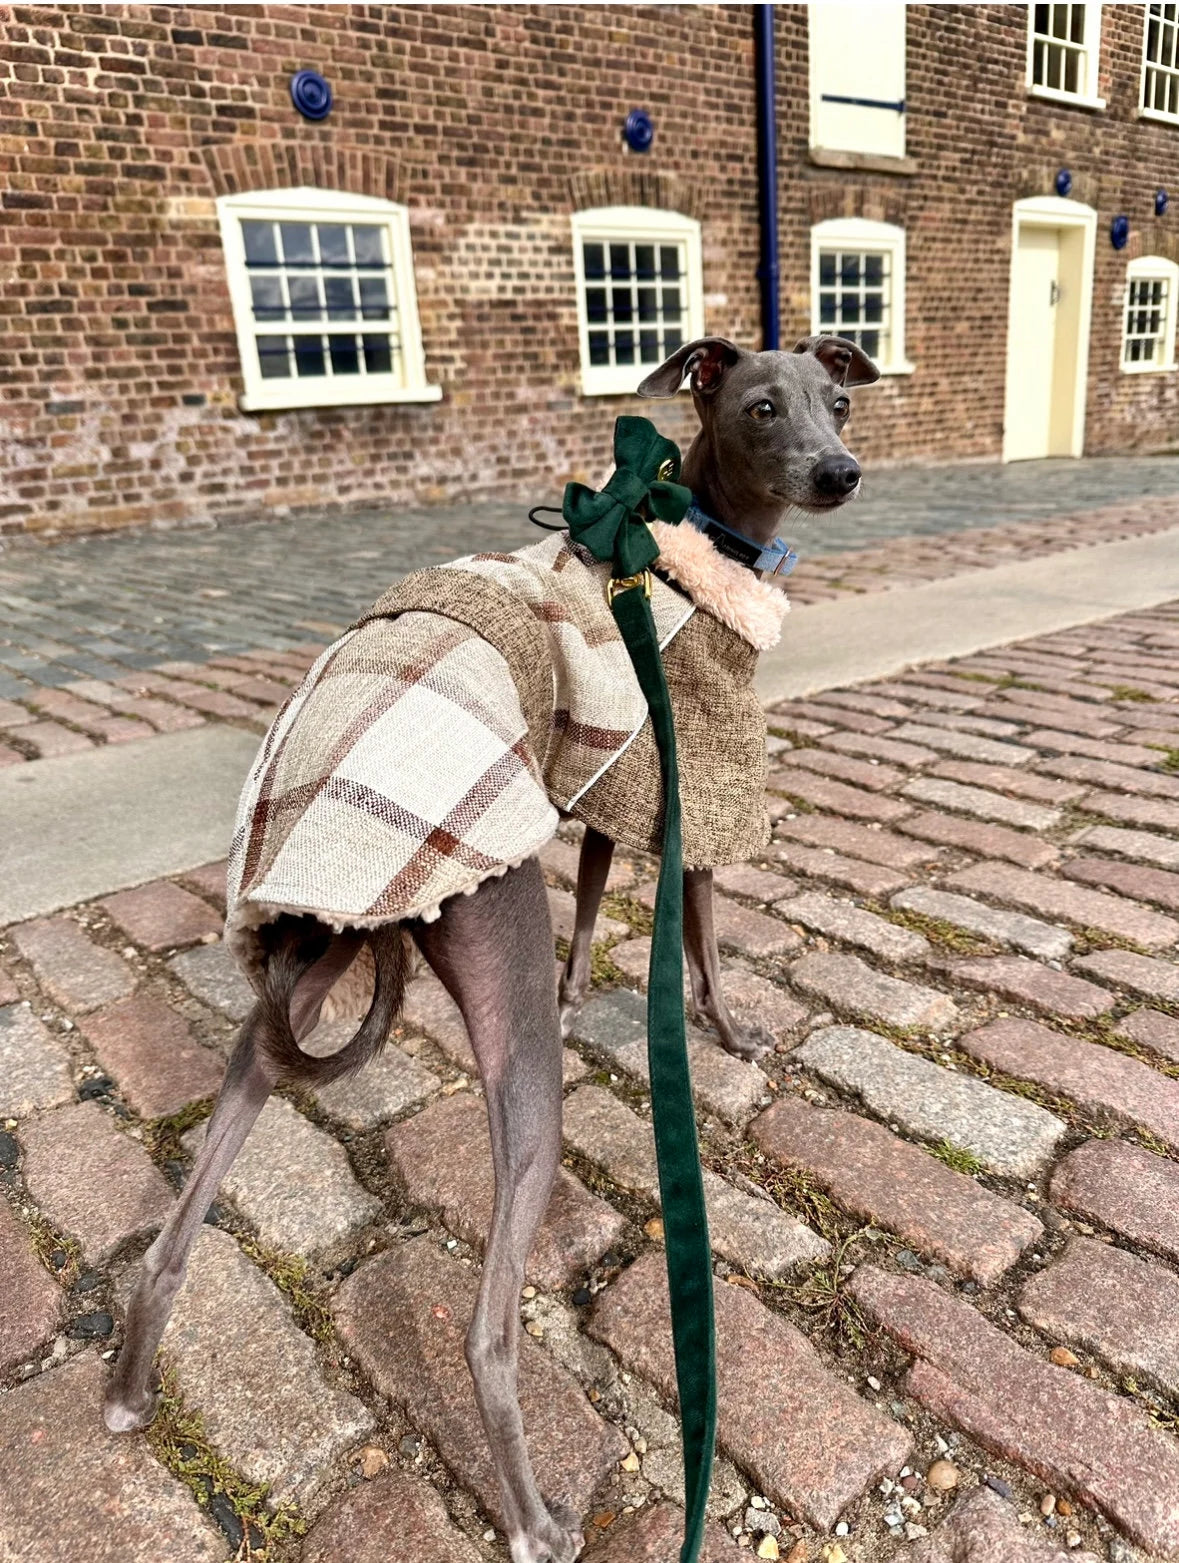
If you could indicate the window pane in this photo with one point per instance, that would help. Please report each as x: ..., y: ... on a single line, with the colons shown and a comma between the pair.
x: 649, y: 346
x: 870, y: 342
x: 624, y: 347
x: 599, y: 347
x: 874, y: 308
x: 296, y: 244
x: 273, y: 357
x: 594, y: 260
x: 849, y: 308
x: 673, y: 340
x: 261, y: 249
x: 378, y: 354
x: 369, y: 249
x: 595, y: 305
x: 669, y: 262
x: 826, y: 309
x: 671, y: 303
x: 309, y: 356
x: 341, y: 302
x: 849, y: 268
x: 333, y: 244
x: 304, y: 293
x: 620, y: 260
x: 374, y: 299
x: 873, y: 270
x: 645, y: 261
x: 268, y: 299
x: 345, y: 357
x: 620, y: 303
x: 826, y: 268
x: 648, y: 304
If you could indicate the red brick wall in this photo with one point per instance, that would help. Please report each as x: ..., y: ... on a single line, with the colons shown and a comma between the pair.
x: 121, y: 124
x: 980, y: 142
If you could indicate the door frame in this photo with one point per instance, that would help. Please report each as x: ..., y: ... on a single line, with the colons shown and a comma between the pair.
x: 1051, y: 211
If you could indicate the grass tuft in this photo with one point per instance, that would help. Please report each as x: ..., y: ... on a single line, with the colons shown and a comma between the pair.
x: 1129, y: 692
x: 47, y: 1242
x: 957, y: 1159
x: 162, y: 1137
x: 824, y: 1294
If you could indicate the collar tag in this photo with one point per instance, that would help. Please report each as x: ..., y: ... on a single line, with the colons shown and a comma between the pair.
x: 774, y: 557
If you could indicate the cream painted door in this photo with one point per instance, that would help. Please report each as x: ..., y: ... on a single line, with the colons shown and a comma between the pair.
x: 1032, y: 348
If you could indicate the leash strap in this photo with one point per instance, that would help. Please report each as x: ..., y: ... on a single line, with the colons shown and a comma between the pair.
x: 611, y: 524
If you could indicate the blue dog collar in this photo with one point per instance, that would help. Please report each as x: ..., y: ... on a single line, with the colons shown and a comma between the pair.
x: 775, y: 557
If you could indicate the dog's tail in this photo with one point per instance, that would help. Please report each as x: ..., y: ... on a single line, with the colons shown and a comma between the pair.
x: 297, y: 945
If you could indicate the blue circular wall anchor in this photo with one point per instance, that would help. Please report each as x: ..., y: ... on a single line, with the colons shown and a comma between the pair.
x: 637, y: 131
x: 311, y: 95
x: 1161, y: 201
x: 1119, y: 232
x: 1064, y: 182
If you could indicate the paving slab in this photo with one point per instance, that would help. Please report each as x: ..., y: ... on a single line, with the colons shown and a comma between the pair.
x: 72, y: 969
x: 654, y: 1536
x: 211, y: 974
x: 983, y: 1528
x: 1091, y: 1445
x: 30, y: 1300
x: 394, y: 1518
x: 151, y: 1053
x: 242, y: 1362
x: 404, y: 1316
x: 35, y: 1068
x: 1008, y: 1134
x: 1026, y: 933
x: 1124, y: 1187
x: 899, y: 1187
x: 851, y: 985
x: 386, y: 1086
x: 852, y: 640
x: 808, y: 1440
x: 92, y: 1180
x: 443, y: 1158
x: 1100, y: 1299
x: 851, y: 925
x: 83, y: 825
x: 162, y: 916
x: 294, y: 1182
x: 69, y: 1490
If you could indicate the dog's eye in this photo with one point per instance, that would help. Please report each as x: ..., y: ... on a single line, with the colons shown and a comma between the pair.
x: 842, y: 407
x: 761, y: 411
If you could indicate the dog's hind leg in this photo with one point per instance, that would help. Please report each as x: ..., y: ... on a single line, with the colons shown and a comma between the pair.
x: 593, y: 866
x: 249, y: 1079
x: 492, y: 950
x: 704, y: 970
x: 131, y: 1398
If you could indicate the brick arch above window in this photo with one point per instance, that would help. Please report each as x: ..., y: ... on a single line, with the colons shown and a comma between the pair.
x: 1151, y: 239
x: 238, y: 166
x: 873, y: 202
x: 1040, y: 180
x: 599, y: 187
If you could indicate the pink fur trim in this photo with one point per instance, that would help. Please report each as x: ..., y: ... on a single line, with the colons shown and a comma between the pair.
x: 731, y: 593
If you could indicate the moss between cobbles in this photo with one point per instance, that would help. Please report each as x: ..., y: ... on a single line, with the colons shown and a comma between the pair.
x: 162, y: 1136
x: 640, y: 918
x: 799, y: 804
x: 1101, y: 939
x: 47, y: 1242
x: 948, y: 935
x: 309, y: 1304
x: 1170, y: 757
x: 1101, y: 1031
x: 997, y: 680
x: 1129, y: 692
x: 178, y: 1440
x: 1157, y: 1410
x: 956, y: 1158
x: 796, y: 739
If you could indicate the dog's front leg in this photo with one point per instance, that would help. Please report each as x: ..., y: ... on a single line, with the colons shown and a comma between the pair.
x: 593, y: 867
x: 704, y: 970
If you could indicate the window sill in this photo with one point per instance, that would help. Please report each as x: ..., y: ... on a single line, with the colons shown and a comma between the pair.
x: 292, y: 401
x: 904, y: 367
x: 1076, y: 100
x: 626, y: 384
x: 1158, y: 116
x: 1149, y: 368
x: 863, y: 162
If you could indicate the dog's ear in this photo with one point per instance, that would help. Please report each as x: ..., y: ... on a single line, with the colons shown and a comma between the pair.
x: 843, y: 360
x: 706, y: 360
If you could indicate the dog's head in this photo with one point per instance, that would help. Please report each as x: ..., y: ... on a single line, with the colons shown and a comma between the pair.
x: 773, y: 422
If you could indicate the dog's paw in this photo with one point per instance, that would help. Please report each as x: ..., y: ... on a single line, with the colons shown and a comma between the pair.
x: 747, y: 1042
x: 557, y: 1538
x: 126, y: 1413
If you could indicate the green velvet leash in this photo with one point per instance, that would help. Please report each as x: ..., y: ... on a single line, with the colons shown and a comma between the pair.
x: 612, y: 526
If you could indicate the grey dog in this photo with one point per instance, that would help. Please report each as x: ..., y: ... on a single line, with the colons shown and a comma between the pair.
x: 770, y: 439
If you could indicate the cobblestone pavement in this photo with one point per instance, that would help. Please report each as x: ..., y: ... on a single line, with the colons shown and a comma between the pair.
x: 944, y: 1210
x: 98, y: 607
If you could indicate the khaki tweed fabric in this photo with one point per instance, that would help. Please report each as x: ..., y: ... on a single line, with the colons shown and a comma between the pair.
x: 432, y: 746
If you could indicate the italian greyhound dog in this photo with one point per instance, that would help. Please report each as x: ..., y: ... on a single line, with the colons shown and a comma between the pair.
x: 770, y: 439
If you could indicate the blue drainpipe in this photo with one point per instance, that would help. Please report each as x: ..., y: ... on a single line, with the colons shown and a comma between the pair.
x: 767, y: 171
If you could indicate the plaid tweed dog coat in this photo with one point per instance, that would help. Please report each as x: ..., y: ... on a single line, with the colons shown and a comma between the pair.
x: 439, y: 741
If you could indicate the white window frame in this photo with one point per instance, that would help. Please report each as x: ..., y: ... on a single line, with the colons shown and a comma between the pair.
x: 631, y: 225
x: 307, y: 204
x: 859, y: 233
x: 1147, y: 64
x: 1152, y: 268
x: 1091, y: 58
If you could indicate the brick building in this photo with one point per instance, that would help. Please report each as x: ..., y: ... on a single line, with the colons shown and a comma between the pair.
x: 214, y: 306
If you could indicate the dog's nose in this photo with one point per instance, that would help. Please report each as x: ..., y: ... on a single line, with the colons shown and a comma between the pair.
x: 836, y: 476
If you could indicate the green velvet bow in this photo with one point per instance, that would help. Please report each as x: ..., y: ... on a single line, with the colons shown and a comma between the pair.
x: 611, y: 522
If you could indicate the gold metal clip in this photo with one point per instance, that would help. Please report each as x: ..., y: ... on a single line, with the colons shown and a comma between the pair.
x: 625, y: 582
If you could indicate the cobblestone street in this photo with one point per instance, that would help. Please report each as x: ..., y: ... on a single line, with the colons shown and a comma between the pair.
x: 943, y: 1209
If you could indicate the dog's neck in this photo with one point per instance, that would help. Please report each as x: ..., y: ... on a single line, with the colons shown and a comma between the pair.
x: 726, y: 498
